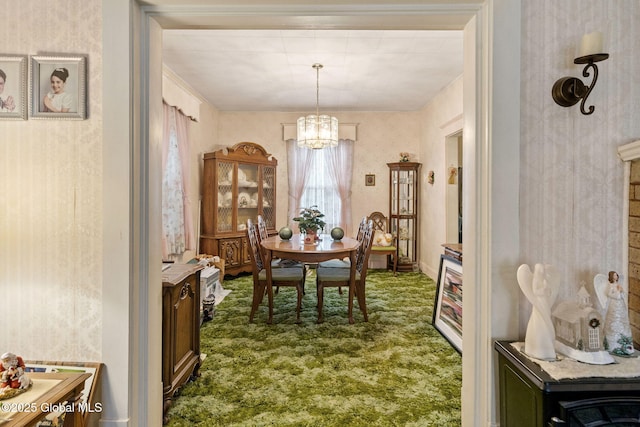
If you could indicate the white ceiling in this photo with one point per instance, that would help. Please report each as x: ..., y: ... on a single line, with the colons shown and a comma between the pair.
x: 271, y: 70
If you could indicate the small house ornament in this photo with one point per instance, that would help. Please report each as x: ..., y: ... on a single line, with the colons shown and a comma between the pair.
x: 579, y: 330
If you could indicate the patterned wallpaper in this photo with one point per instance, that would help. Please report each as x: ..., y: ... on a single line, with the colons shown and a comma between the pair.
x: 51, y: 196
x: 51, y: 192
x: 571, y: 187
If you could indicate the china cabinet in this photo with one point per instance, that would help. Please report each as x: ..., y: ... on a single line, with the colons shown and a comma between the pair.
x: 239, y: 183
x: 403, y: 211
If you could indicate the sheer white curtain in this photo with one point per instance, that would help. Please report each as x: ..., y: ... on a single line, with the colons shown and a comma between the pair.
x: 322, y: 178
x: 177, y: 225
x: 340, y: 165
x: 298, y: 170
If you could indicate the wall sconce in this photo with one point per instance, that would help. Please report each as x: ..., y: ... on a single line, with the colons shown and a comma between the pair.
x: 567, y: 91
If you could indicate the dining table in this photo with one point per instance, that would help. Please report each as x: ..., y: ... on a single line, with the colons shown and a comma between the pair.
x: 324, y: 249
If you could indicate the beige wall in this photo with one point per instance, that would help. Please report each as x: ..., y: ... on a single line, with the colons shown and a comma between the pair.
x: 442, y: 117
x: 571, y: 205
x: 381, y: 137
x: 51, y: 196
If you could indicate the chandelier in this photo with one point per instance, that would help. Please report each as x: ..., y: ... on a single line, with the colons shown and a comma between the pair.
x: 317, y: 131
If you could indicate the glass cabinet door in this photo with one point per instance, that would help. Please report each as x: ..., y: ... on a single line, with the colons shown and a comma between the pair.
x: 224, y: 197
x: 269, y: 195
x: 248, y: 194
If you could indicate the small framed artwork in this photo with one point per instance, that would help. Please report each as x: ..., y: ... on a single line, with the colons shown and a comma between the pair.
x: 369, y: 180
x: 447, y: 310
x: 58, y: 87
x: 13, y: 87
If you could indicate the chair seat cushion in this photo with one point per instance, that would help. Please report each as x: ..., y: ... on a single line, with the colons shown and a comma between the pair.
x: 283, y: 274
x: 331, y: 274
x: 383, y: 248
x: 336, y: 263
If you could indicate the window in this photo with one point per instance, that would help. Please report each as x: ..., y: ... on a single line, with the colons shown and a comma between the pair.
x: 321, y: 190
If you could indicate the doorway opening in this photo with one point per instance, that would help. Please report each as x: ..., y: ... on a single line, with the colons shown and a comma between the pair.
x: 453, y: 191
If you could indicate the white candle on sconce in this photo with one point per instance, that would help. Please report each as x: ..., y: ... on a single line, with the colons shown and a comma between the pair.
x: 591, y: 44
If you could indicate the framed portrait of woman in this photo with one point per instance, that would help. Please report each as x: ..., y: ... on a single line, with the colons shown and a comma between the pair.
x: 58, y: 87
x: 13, y: 87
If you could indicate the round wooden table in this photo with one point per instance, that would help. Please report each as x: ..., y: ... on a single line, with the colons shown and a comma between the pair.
x: 323, y: 250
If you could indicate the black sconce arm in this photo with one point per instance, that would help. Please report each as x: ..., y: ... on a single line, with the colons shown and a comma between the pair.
x: 567, y: 91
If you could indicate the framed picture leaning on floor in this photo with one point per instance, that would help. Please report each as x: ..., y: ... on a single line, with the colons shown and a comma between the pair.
x: 447, y: 309
x: 58, y: 87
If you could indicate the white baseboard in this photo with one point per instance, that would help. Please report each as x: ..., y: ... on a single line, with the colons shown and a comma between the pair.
x: 114, y: 423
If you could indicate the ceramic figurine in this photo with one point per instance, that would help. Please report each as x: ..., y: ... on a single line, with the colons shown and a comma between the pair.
x: 617, y: 329
x: 579, y: 330
x: 12, y: 376
x: 541, y: 290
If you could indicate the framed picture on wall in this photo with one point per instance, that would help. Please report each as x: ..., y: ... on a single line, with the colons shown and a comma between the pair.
x: 447, y: 309
x: 58, y: 87
x: 13, y: 87
x: 369, y: 180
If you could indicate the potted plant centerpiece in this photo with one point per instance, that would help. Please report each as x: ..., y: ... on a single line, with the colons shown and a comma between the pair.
x: 310, y: 223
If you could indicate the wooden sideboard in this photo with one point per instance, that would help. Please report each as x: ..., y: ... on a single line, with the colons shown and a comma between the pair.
x: 180, y: 328
x: 530, y: 397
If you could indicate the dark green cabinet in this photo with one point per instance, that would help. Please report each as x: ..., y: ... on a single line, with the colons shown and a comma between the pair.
x: 530, y: 397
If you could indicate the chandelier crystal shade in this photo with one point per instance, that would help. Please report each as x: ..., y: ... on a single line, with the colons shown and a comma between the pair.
x: 317, y: 131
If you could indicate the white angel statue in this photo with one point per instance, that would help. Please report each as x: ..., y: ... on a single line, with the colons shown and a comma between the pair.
x: 617, y: 329
x: 541, y: 290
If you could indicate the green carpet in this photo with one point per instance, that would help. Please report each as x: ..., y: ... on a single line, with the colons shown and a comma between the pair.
x: 395, y: 370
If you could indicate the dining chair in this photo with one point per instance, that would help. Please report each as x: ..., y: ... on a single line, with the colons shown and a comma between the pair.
x: 384, y: 243
x: 285, y: 277
x: 337, y: 277
x: 345, y: 263
x: 278, y: 262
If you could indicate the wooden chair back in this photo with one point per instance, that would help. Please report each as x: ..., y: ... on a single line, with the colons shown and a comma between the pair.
x: 381, y: 224
x: 262, y: 228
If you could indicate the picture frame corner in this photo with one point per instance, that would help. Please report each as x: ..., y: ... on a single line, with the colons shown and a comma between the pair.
x: 449, y: 322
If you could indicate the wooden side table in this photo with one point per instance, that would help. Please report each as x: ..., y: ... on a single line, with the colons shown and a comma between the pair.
x: 530, y: 397
x: 50, y: 393
x: 180, y: 328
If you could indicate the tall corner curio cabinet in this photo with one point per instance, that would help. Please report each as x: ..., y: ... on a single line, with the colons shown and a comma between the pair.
x: 239, y: 183
x: 403, y: 211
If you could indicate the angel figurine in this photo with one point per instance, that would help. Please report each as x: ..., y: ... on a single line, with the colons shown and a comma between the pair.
x: 540, y: 289
x: 617, y: 329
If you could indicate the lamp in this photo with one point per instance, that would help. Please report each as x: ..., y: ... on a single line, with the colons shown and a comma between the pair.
x: 567, y: 91
x: 317, y: 131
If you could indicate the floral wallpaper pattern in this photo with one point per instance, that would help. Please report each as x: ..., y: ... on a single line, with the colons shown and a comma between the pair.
x: 571, y: 183
x: 51, y: 197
